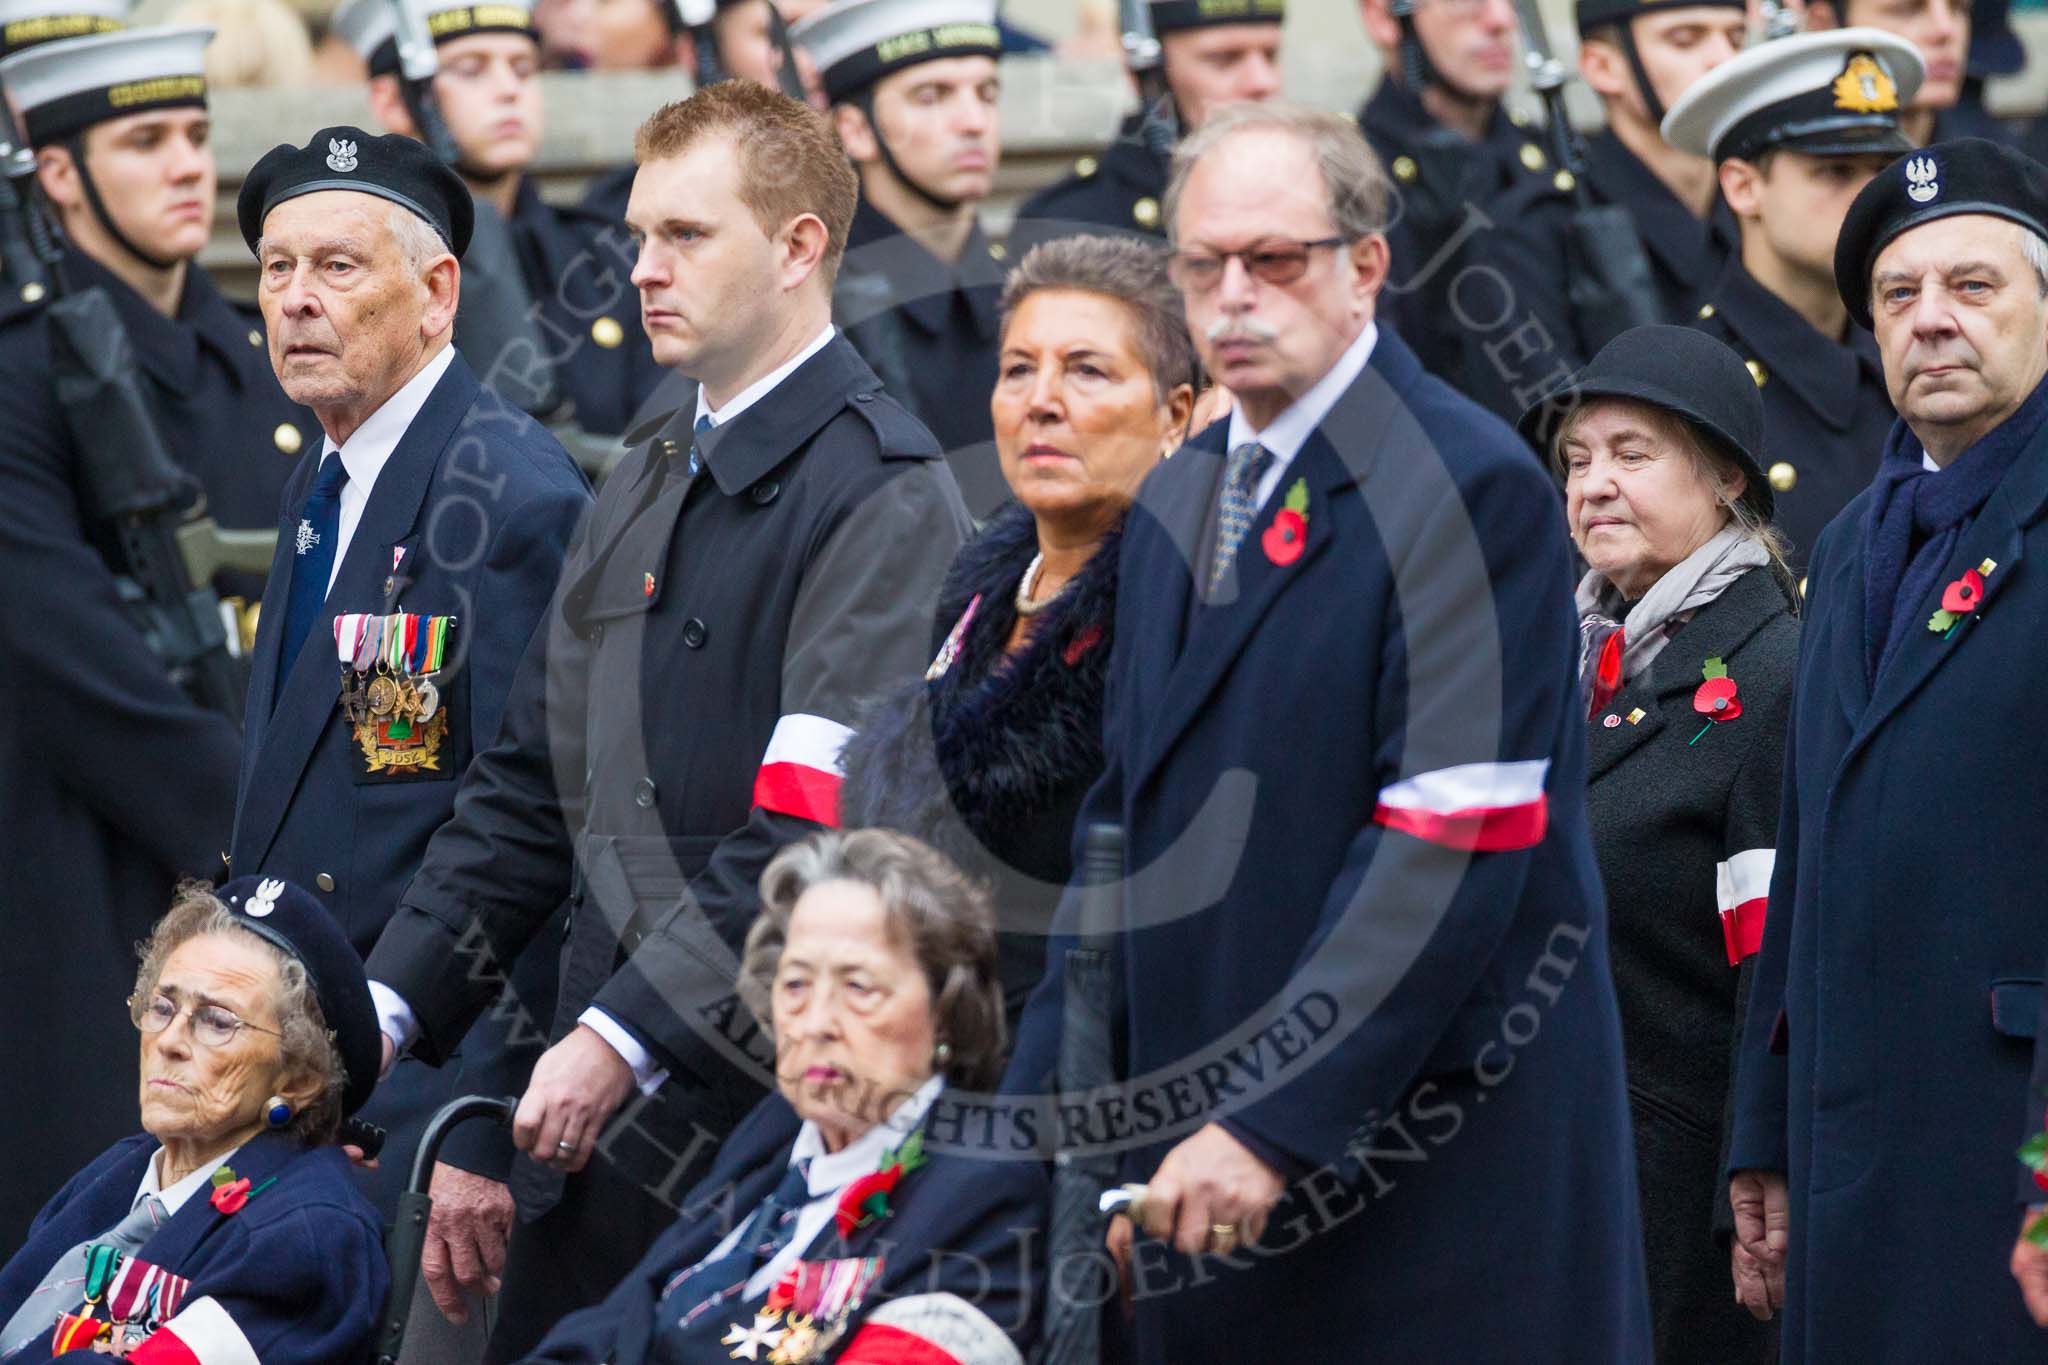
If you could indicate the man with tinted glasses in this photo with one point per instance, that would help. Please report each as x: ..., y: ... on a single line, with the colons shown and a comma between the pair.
x: 1440, y: 130
x: 1525, y: 328
x: 1332, y: 737
x: 1213, y: 53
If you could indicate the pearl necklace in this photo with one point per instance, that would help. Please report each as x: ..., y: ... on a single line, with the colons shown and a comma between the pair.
x: 1027, y: 586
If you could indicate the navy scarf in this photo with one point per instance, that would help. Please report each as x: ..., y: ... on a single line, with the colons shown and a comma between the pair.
x: 1917, y: 515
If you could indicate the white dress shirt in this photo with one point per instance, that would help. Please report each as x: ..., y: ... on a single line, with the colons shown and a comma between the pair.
x: 368, y: 449
x: 1299, y: 419
x: 830, y: 1173
x: 394, y: 1016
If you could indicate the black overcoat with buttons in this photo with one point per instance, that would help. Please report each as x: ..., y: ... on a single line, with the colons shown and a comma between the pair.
x: 1440, y: 183
x: 470, y: 518
x: 1826, y: 409
x: 1119, y: 191
x: 1671, y: 809
x: 1525, y: 334
x: 112, y: 782
x: 928, y: 328
x: 578, y: 266
x: 676, y: 723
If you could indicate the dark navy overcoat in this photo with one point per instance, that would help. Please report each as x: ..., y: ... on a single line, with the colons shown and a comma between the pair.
x: 1364, y: 930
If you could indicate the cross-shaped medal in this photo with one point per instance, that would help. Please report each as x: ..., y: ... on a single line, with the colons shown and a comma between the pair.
x: 748, y: 1342
x: 355, y: 696
x: 307, y: 537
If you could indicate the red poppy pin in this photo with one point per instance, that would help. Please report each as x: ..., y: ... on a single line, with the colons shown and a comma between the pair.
x: 230, y: 1192
x: 866, y: 1200
x: 1960, y: 599
x: 1284, y: 539
x: 1717, y: 698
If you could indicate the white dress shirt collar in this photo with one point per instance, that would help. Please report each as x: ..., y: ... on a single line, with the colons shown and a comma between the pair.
x: 370, y: 446
x: 759, y: 389
x: 833, y: 1171
x: 1289, y: 432
x: 179, y: 1194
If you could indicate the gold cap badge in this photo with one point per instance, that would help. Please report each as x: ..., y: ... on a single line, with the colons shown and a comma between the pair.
x: 1864, y: 88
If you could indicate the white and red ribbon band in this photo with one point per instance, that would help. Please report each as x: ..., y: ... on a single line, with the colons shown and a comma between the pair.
x: 800, y: 772
x: 203, y: 1334
x: 146, y: 1294
x: 930, y: 1329
x: 1742, y: 890
x: 1481, y: 807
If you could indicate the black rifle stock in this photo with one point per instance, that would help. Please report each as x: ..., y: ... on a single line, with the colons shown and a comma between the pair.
x: 129, y: 481
x: 25, y: 246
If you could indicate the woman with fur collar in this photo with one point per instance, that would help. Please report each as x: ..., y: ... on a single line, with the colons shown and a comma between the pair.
x: 988, y: 756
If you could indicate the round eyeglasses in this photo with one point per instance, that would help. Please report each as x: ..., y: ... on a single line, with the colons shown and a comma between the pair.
x: 213, y: 1025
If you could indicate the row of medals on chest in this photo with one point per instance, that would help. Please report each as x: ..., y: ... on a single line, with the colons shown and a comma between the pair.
x: 388, y: 667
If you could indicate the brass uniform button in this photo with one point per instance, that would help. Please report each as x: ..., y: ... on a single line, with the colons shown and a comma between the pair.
x: 1518, y: 118
x: 1802, y: 587
x: 1783, y: 476
x: 1146, y: 212
x: 1405, y: 169
x: 32, y: 292
x: 1532, y: 156
x: 1565, y: 181
x: 255, y: 337
x: 246, y: 618
x: 1706, y: 310
x: 287, y: 438
x: 998, y: 251
x: 325, y: 881
x: 1756, y: 372
x: 1085, y: 167
x: 607, y: 333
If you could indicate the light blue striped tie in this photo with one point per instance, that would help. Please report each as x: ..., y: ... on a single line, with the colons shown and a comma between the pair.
x: 703, y: 425
x: 1240, y: 503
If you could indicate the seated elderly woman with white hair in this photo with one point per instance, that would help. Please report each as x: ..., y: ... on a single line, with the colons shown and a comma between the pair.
x: 848, y: 1218
x: 229, y: 1231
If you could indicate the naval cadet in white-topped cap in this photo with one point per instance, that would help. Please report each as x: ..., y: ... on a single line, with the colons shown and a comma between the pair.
x: 113, y: 782
x: 913, y: 86
x: 1796, y: 127
x: 26, y: 23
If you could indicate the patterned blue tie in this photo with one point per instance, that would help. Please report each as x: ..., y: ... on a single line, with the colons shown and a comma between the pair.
x: 312, y: 560
x: 710, y: 1283
x: 704, y: 424
x: 1240, y: 503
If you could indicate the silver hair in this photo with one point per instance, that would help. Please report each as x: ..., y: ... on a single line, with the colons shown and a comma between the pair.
x: 1131, y: 272
x: 419, y: 245
x: 942, y: 915
x: 305, y: 1041
x: 2034, y: 251
x: 1353, y: 180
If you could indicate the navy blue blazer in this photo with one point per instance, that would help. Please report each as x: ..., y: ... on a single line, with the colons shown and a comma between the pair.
x: 296, y: 1277
x: 1364, y: 929
x: 477, y: 505
x: 961, y: 1224
x: 1893, y: 1020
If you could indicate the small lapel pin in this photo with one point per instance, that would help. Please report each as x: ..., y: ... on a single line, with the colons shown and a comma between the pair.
x: 397, y: 557
x: 1612, y: 721
x: 1635, y: 717
x: 647, y: 585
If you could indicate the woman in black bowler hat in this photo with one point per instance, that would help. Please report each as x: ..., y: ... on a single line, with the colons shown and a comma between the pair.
x: 1688, y: 642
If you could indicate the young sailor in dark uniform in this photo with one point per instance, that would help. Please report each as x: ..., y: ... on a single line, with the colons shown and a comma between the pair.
x: 1525, y: 329
x: 573, y: 263
x: 1212, y: 53
x: 766, y: 558
x: 913, y: 88
x: 1797, y: 126
x: 113, y: 782
x: 1449, y: 146
x: 1941, y: 31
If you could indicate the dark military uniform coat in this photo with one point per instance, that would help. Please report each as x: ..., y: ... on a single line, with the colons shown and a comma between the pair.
x: 297, y: 1276
x: 928, y: 328
x: 578, y: 266
x: 1894, y: 1018
x: 1826, y: 409
x: 1441, y: 186
x: 476, y: 506
x: 1122, y: 189
x: 1685, y: 826
x: 112, y: 782
x: 1525, y: 336
x: 1353, y: 802
x: 677, y: 722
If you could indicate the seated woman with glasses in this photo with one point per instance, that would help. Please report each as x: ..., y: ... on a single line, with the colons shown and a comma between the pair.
x: 230, y: 1229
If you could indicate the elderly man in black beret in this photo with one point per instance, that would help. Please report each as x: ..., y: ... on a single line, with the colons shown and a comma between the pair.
x: 419, y: 547
x: 1883, y: 1078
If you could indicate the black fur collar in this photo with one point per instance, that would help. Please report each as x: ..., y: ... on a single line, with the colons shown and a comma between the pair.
x: 1017, y: 738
